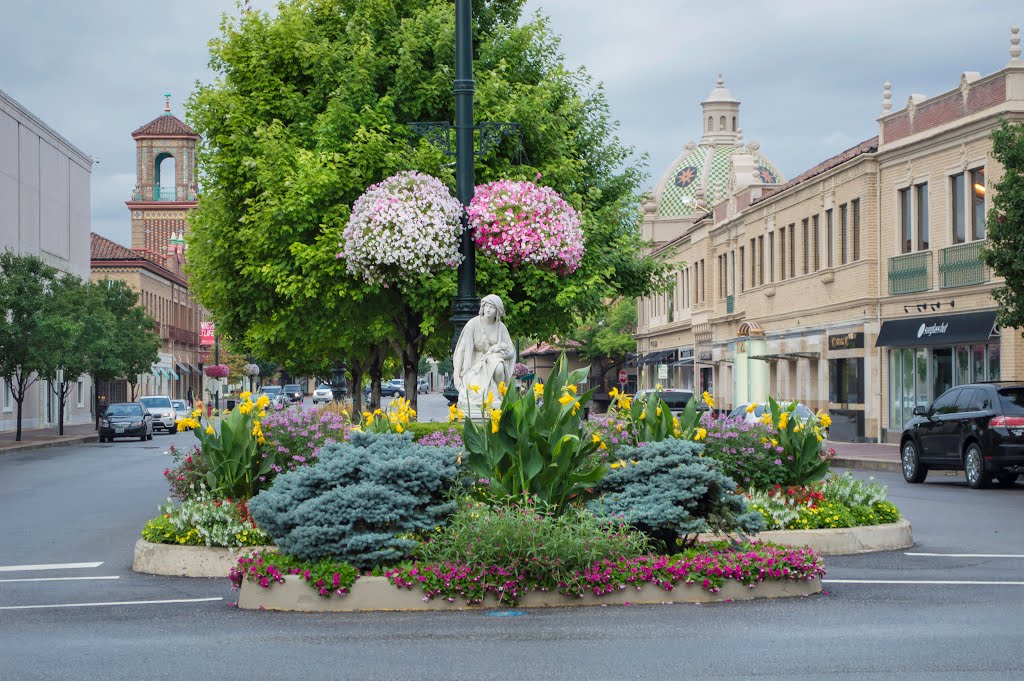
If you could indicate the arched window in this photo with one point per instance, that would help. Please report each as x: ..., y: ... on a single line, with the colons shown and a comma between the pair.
x: 734, y: 124
x: 164, y: 178
x: 711, y: 123
x: 721, y: 123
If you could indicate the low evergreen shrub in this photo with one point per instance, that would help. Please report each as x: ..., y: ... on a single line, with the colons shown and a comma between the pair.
x: 360, y: 500
x: 671, y: 493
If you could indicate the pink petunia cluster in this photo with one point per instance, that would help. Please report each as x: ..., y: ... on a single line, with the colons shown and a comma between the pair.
x: 522, y: 223
x: 408, y: 224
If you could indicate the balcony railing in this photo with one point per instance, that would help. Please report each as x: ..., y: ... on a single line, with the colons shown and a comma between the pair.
x: 163, y: 193
x: 910, y: 273
x: 962, y: 265
x: 730, y: 304
x: 178, y: 335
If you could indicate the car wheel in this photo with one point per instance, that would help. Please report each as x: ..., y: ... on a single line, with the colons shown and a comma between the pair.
x: 913, y: 470
x: 142, y: 438
x: 974, y: 467
x: 1007, y: 479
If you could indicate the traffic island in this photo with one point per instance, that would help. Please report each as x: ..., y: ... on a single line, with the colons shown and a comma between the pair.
x: 840, y: 541
x: 175, y: 560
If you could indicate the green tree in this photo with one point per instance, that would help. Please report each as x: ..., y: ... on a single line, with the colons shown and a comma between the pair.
x: 311, y: 106
x: 24, y: 284
x: 1005, y: 224
x: 126, y: 343
x: 608, y: 338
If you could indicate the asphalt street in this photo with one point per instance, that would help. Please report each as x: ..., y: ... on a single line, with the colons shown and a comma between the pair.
x: 70, y: 607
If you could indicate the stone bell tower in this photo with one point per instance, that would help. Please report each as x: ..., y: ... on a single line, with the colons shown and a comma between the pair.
x: 165, y: 189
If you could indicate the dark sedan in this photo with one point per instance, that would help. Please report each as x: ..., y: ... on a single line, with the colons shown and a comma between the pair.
x: 293, y: 393
x: 977, y: 428
x: 126, y: 419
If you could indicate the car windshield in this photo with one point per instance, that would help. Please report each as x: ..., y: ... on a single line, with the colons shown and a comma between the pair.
x: 156, y: 402
x: 272, y: 390
x: 124, y: 410
x: 323, y: 386
x: 1012, y: 400
x: 179, y: 404
x: 291, y: 388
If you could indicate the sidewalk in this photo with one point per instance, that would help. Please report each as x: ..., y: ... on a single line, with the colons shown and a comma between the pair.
x: 866, y: 456
x: 38, y: 438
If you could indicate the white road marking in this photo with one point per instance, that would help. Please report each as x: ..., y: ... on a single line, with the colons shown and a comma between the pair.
x: 56, y: 579
x: 49, y: 566
x: 90, y: 605
x: 967, y: 555
x: 919, y: 581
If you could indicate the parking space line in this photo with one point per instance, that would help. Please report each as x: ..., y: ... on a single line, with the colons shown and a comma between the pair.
x: 967, y: 555
x: 57, y: 579
x: 49, y: 566
x: 92, y: 605
x: 949, y: 582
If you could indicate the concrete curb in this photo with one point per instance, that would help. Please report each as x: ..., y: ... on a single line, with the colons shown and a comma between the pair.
x: 174, y: 560
x: 376, y: 593
x: 866, y: 464
x: 843, y: 541
x: 45, y: 444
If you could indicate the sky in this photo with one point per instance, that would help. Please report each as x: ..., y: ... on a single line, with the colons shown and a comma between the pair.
x: 809, y: 73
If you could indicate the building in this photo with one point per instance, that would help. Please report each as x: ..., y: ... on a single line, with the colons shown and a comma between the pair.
x: 44, y: 211
x: 856, y: 287
x: 164, y: 193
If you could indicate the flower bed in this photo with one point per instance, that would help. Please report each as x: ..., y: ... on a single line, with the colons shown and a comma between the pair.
x: 838, y: 501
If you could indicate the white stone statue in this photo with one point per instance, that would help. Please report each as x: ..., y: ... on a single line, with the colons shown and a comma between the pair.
x: 483, y: 358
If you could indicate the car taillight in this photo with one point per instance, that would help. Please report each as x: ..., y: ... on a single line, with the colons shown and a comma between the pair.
x: 1006, y: 422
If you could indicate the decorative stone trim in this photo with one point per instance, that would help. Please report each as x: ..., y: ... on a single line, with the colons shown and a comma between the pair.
x: 186, y: 561
x: 843, y: 540
x: 377, y: 593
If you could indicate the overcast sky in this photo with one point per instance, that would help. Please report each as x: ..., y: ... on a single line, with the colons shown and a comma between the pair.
x: 809, y: 73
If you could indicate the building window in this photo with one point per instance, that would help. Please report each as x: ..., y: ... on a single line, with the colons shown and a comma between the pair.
x: 753, y: 263
x: 743, y: 272
x: 843, y: 234
x: 81, y: 394
x: 828, y: 238
x: 760, y: 259
x: 6, y: 388
x: 710, y: 123
x: 771, y: 256
x: 782, y: 250
x: 792, y: 250
x: 807, y: 246
x: 721, y: 123
x: 956, y: 189
x: 978, y: 204
x: 703, y: 297
x: 817, y: 242
x: 921, y: 204
x: 855, y: 225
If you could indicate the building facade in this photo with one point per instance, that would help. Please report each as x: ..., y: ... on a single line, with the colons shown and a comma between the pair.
x: 857, y: 287
x: 44, y: 211
x: 164, y: 193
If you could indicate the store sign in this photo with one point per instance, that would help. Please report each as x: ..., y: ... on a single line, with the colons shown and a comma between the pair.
x: 704, y: 356
x: 206, y: 333
x: 662, y: 372
x: 846, y: 341
x: 930, y: 330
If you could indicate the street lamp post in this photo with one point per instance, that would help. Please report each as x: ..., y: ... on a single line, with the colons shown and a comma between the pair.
x: 339, y: 385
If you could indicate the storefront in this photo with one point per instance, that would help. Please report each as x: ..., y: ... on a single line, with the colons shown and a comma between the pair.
x: 926, y: 356
x: 681, y: 370
x: 846, y: 381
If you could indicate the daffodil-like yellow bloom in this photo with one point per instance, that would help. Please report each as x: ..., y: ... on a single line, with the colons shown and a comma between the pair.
x: 502, y: 388
x: 675, y: 422
x: 357, y: 429
x: 225, y: 412
x: 245, y: 407
x: 495, y: 419
x: 595, y: 438
x: 489, y: 399
x: 256, y: 430
x: 775, y: 443
x: 625, y: 401
x: 783, y: 420
x: 210, y: 430
x: 643, y: 414
x: 618, y: 464
x: 709, y: 400
x: 767, y: 418
x: 798, y: 428
x: 538, y: 391
x: 657, y: 412
x: 262, y: 401
x: 399, y: 428
x: 245, y: 395
x: 566, y: 398
x: 701, y: 434
x: 455, y: 414
x: 825, y: 420
x: 197, y: 413
x: 262, y: 413
x: 819, y: 438
x: 751, y: 408
x: 570, y: 388
x: 474, y: 388
x: 603, y: 447
x: 764, y: 440
x: 613, y: 393
x: 575, y: 407
x: 676, y: 432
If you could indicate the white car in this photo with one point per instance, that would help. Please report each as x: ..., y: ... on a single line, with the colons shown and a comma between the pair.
x: 160, y: 407
x: 323, y: 393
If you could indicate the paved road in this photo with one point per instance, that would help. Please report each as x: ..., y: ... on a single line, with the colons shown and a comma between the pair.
x: 904, y: 615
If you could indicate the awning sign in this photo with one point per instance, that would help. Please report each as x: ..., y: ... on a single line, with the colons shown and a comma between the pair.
x: 971, y: 327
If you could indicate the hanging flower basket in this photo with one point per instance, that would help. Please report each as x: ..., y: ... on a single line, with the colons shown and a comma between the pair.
x: 409, y: 224
x: 519, y: 370
x: 217, y: 371
x: 522, y: 223
x: 251, y: 370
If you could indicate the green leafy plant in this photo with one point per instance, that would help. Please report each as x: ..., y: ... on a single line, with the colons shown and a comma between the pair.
x: 650, y: 420
x: 202, y: 520
x: 536, y: 444
x: 801, y: 442
x: 839, y: 501
x: 264, y: 568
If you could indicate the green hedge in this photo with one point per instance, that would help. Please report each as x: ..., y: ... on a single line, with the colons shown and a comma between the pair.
x: 421, y: 429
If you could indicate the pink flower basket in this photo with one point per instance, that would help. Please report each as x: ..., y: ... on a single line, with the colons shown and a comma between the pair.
x: 217, y: 371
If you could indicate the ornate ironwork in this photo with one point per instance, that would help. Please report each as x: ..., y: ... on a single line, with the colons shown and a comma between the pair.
x: 963, y: 265
x: 492, y: 134
x: 910, y: 273
x: 439, y: 133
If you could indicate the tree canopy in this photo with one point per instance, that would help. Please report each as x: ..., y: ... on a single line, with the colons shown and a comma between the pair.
x: 1005, y: 224
x: 312, y: 105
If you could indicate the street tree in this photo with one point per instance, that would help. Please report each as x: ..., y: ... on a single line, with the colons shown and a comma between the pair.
x: 313, y: 105
x: 1005, y: 224
x: 127, y: 344
x: 607, y: 338
x: 25, y: 282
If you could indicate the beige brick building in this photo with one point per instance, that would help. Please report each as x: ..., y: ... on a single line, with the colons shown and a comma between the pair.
x: 857, y: 286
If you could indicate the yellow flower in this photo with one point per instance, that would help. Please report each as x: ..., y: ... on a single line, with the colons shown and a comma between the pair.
x: 495, y: 419
x: 246, y: 395
x: 182, y: 425
x: 701, y: 434
x: 602, y: 446
x: 262, y: 401
x: 595, y: 438
x: 767, y: 418
x: 775, y: 443
x: 618, y: 464
x: 566, y: 398
x: 613, y: 393
x: 538, y: 391
x: 657, y: 412
x: 570, y: 388
x: 357, y: 429
x: 751, y: 408
x: 455, y: 414
x: 474, y: 388
x: 210, y: 430
x: 783, y: 420
x: 798, y: 428
x: 826, y: 420
x: 643, y: 414
x: 399, y: 428
x: 657, y: 386
x: 489, y: 400
x: 244, y: 407
x: 262, y: 413
x: 709, y: 400
x: 502, y: 388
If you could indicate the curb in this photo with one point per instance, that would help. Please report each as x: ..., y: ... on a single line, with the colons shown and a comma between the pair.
x: 173, y: 560
x: 866, y: 464
x: 840, y: 541
x: 378, y: 594
x: 23, y: 446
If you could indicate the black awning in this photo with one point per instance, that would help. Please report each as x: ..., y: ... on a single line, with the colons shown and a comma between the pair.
x: 657, y: 357
x: 184, y: 368
x: 971, y: 327
x: 684, y: 362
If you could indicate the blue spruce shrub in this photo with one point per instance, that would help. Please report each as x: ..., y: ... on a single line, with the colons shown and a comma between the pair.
x: 668, y: 491
x: 360, y: 500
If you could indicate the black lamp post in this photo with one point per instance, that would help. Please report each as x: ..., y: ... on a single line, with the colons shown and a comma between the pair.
x: 339, y: 384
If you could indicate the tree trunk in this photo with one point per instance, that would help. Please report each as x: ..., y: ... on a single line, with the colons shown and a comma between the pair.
x: 410, y: 366
x: 376, y: 369
x: 356, y: 387
x: 62, y: 398
x: 17, y: 437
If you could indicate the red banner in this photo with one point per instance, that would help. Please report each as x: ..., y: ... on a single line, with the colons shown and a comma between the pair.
x: 206, y: 333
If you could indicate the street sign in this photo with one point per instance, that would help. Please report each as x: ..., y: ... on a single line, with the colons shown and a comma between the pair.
x: 622, y: 376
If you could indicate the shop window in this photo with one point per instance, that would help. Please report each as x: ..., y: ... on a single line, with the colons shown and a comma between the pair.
x: 846, y: 380
x: 942, y: 370
x: 963, y: 364
x: 978, y: 204
x: 978, y: 355
x: 993, y: 362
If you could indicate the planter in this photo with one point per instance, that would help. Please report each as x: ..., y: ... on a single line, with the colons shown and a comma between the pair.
x: 377, y: 593
x: 186, y: 561
x: 842, y: 540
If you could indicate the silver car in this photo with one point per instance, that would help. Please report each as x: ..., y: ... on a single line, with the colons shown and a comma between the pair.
x: 160, y: 407
x: 323, y: 393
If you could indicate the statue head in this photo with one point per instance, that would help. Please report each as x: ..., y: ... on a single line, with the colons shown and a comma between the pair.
x: 494, y: 300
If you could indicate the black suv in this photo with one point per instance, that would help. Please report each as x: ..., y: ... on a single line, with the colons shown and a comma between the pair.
x: 977, y: 428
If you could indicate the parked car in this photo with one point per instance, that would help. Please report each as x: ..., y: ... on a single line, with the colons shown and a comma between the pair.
x: 293, y: 393
x: 676, y: 399
x: 977, y: 428
x: 740, y: 412
x: 422, y: 387
x: 323, y: 393
x: 126, y: 419
x: 273, y: 393
x: 164, y: 416
x: 181, y: 408
x: 393, y: 388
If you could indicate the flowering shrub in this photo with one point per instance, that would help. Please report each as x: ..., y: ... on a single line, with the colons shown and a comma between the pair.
x: 268, y: 567
x: 438, y: 438
x: 835, y: 502
x: 294, y: 437
x: 745, y: 451
x: 519, y: 370
x: 204, y: 521
x: 408, y: 224
x: 217, y: 370
x: 521, y: 223
x: 188, y: 472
